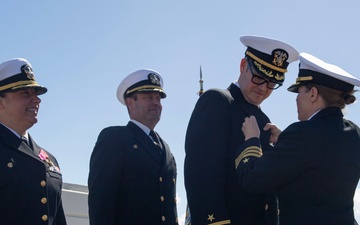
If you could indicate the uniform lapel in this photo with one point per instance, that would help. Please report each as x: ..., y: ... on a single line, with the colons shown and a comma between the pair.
x: 166, y: 154
x: 15, y: 143
x: 246, y: 107
x: 35, y: 147
x: 249, y: 109
x: 145, y: 141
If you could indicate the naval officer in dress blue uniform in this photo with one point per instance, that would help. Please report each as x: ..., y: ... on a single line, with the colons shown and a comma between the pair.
x: 30, y: 177
x: 214, y: 134
x: 132, y: 176
x: 314, y: 167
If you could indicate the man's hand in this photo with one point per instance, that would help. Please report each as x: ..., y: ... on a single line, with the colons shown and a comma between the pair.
x: 250, y: 128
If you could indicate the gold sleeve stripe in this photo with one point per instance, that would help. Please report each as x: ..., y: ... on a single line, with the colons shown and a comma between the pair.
x: 265, y: 63
x: 247, y: 154
x: 249, y: 151
x: 256, y: 154
x: 221, y: 222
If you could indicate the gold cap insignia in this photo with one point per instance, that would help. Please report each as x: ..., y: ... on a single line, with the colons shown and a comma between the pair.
x: 280, y: 56
x: 154, y: 78
x: 28, y: 71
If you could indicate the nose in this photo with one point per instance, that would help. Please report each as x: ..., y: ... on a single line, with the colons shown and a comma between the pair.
x: 33, y: 95
x: 38, y: 99
x: 157, y: 101
x: 35, y: 98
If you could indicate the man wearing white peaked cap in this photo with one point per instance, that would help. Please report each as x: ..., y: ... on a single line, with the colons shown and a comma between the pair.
x: 132, y: 178
x: 214, y: 134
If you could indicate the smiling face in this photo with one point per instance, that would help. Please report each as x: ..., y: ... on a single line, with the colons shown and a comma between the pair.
x: 254, y: 93
x: 19, y: 109
x: 145, y: 107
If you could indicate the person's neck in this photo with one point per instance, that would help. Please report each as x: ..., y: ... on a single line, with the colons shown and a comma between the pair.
x: 316, y: 107
x: 150, y: 127
x: 18, y: 132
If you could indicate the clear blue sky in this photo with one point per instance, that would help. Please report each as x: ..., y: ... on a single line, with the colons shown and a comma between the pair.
x: 80, y: 50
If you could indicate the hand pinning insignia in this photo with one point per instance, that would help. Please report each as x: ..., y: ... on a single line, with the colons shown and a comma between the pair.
x: 245, y: 160
x: 211, y: 217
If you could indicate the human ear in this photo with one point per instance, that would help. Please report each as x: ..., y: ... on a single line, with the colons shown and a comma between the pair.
x: 2, y: 105
x: 242, y: 65
x: 314, y: 92
x: 128, y: 101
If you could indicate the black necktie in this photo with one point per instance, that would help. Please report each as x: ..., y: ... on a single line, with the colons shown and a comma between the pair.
x: 25, y: 140
x: 155, y: 139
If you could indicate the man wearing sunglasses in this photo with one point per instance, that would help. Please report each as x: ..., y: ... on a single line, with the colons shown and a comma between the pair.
x: 214, y: 134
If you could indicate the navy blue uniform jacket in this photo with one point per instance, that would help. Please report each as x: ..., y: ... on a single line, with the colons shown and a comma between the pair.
x: 212, y: 139
x: 314, y: 168
x: 30, y: 187
x: 129, y: 181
